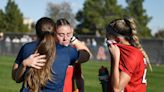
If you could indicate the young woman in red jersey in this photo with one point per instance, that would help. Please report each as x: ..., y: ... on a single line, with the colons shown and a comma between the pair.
x: 128, y: 59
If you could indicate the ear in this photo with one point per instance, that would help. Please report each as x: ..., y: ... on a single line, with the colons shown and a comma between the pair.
x: 117, y: 39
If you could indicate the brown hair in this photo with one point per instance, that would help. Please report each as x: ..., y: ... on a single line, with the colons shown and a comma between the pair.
x: 61, y: 22
x: 37, y: 78
x: 127, y: 28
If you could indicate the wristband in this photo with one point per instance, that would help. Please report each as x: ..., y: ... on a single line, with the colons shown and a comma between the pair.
x: 72, y: 39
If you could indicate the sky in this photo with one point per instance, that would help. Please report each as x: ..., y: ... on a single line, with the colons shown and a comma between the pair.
x: 35, y: 9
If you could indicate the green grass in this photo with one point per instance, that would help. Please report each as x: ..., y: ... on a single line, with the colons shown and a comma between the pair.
x: 90, y: 72
x: 6, y: 82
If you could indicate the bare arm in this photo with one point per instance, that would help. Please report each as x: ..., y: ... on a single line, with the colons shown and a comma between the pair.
x: 120, y: 83
x: 119, y: 79
x: 115, y: 52
x: 124, y: 79
x: 34, y: 60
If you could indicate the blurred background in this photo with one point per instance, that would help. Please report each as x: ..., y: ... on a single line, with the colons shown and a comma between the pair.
x: 89, y: 18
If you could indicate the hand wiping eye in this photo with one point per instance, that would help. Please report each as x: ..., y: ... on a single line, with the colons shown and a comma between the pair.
x: 109, y: 42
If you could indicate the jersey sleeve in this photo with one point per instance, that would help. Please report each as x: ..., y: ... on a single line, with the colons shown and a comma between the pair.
x: 25, y: 51
x: 74, y: 55
x: 19, y: 57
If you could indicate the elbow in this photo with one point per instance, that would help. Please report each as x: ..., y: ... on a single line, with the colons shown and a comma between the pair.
x: 84, y: 56
x: 115, y: 86
x: 17, y: 80
x: 116, y: 89
x: 14, y: 76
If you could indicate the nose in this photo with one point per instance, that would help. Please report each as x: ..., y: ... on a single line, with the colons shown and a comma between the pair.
x: 65, y: 38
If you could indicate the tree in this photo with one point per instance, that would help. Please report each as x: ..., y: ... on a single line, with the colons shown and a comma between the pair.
x: 96, y: 14
x: 14, y: 18
x: 135, y: 9
x: 2, y: 18
x: 63, y: 10
x: 160, y: 34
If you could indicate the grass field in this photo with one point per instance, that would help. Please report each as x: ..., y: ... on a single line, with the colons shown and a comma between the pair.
x: 90, y: 71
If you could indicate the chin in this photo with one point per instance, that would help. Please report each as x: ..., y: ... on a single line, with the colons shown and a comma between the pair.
x: 65, y: 44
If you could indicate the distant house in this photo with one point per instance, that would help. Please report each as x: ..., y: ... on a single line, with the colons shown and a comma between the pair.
x: 29, y: 22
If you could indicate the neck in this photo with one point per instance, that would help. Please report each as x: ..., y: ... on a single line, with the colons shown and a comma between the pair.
x: 125, y: 42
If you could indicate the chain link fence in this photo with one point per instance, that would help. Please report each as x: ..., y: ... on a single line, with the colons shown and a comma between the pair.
x: 97, y: 45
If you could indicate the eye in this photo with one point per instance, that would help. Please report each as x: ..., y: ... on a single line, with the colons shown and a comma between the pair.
x: 61, y: 34
x: 68, y: 34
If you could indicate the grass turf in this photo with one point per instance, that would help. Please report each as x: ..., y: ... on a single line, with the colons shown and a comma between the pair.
x: 90, y: 72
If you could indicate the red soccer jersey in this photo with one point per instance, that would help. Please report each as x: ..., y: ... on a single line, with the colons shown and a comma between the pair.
x: 132, y: 63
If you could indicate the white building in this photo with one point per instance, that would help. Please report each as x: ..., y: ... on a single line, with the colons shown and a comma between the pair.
x: 29, y: 22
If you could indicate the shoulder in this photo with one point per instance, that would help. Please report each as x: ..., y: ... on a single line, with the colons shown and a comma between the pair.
x: 30, y: 44
x: 28, y: 48
x: 74, y: 54
x: 130, y: 58
x: 65, y: 48
x: 73, y: 49
x: 69, y: 50
x: 136, y: 53
x: 130, y: 51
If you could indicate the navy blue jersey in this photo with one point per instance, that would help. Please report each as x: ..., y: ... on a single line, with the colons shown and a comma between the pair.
x: 25, y: 51
x: 65, y: 55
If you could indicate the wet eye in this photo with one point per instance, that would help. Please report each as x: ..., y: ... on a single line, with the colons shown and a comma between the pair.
x: 62, y: 35
x: 69, y: 34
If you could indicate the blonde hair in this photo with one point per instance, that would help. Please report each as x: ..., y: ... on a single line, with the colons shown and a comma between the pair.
x: 127, y: 28
x: 136, y: 39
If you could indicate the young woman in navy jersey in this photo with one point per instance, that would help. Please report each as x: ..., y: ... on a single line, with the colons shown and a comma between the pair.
x: 64, y: 32
x: 41, y: 65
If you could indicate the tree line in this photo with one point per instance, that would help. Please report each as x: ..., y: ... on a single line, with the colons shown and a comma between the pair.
x: 90, y: 20
x: 11, y: 19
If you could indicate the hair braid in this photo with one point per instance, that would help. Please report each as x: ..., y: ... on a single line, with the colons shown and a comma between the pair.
x: 136, y: 41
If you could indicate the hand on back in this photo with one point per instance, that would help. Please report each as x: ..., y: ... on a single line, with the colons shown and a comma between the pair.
x: 35, y: 60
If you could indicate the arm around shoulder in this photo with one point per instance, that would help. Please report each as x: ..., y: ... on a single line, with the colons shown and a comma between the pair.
x: 84, y: 52
x: 17, y: 72
x: 84, y: 56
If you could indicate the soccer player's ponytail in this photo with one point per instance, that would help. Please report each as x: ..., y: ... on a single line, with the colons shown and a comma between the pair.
x: 135, y: 40
x: 37, y: 78
x: 127, y: 28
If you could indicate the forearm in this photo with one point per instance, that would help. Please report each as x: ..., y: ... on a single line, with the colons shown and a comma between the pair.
x: 115, y: 77
x: 84, y: 53
x: 84, y: 56
x: 19, y: 73
x: 14, y: 69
